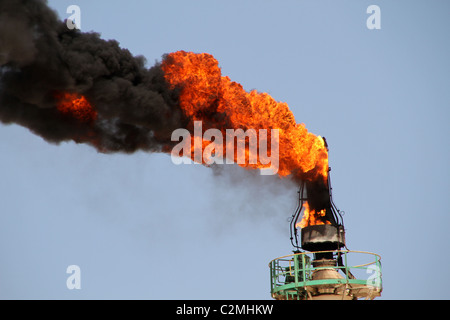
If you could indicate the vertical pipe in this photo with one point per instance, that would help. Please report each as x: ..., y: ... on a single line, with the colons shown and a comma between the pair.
x: 346, y: 266
x: 303, y: 269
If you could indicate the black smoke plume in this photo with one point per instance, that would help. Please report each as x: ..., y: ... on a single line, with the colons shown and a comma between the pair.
x: 40, y: 57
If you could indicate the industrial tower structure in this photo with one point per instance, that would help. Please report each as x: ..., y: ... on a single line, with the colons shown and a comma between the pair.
x: 322, y: 268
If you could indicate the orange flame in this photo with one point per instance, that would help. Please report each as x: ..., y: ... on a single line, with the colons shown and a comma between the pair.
x: 76, y: 106
x: 311, y: 217
x: 220, y: 103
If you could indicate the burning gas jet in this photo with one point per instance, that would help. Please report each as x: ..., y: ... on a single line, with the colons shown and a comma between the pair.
x: 66, y: 85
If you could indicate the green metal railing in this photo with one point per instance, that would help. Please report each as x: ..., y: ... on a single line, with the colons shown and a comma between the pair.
x: 291, y: 276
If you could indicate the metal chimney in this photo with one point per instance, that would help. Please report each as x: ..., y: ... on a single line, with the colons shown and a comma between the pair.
x: 321, y: 266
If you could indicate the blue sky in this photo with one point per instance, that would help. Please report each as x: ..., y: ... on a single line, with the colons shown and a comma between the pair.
x: 141, y: 227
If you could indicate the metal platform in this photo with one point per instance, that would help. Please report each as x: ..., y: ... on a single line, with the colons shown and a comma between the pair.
x: 300, y: 277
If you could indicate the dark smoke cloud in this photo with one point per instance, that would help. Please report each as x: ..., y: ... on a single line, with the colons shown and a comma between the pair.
x: 40, y: 56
